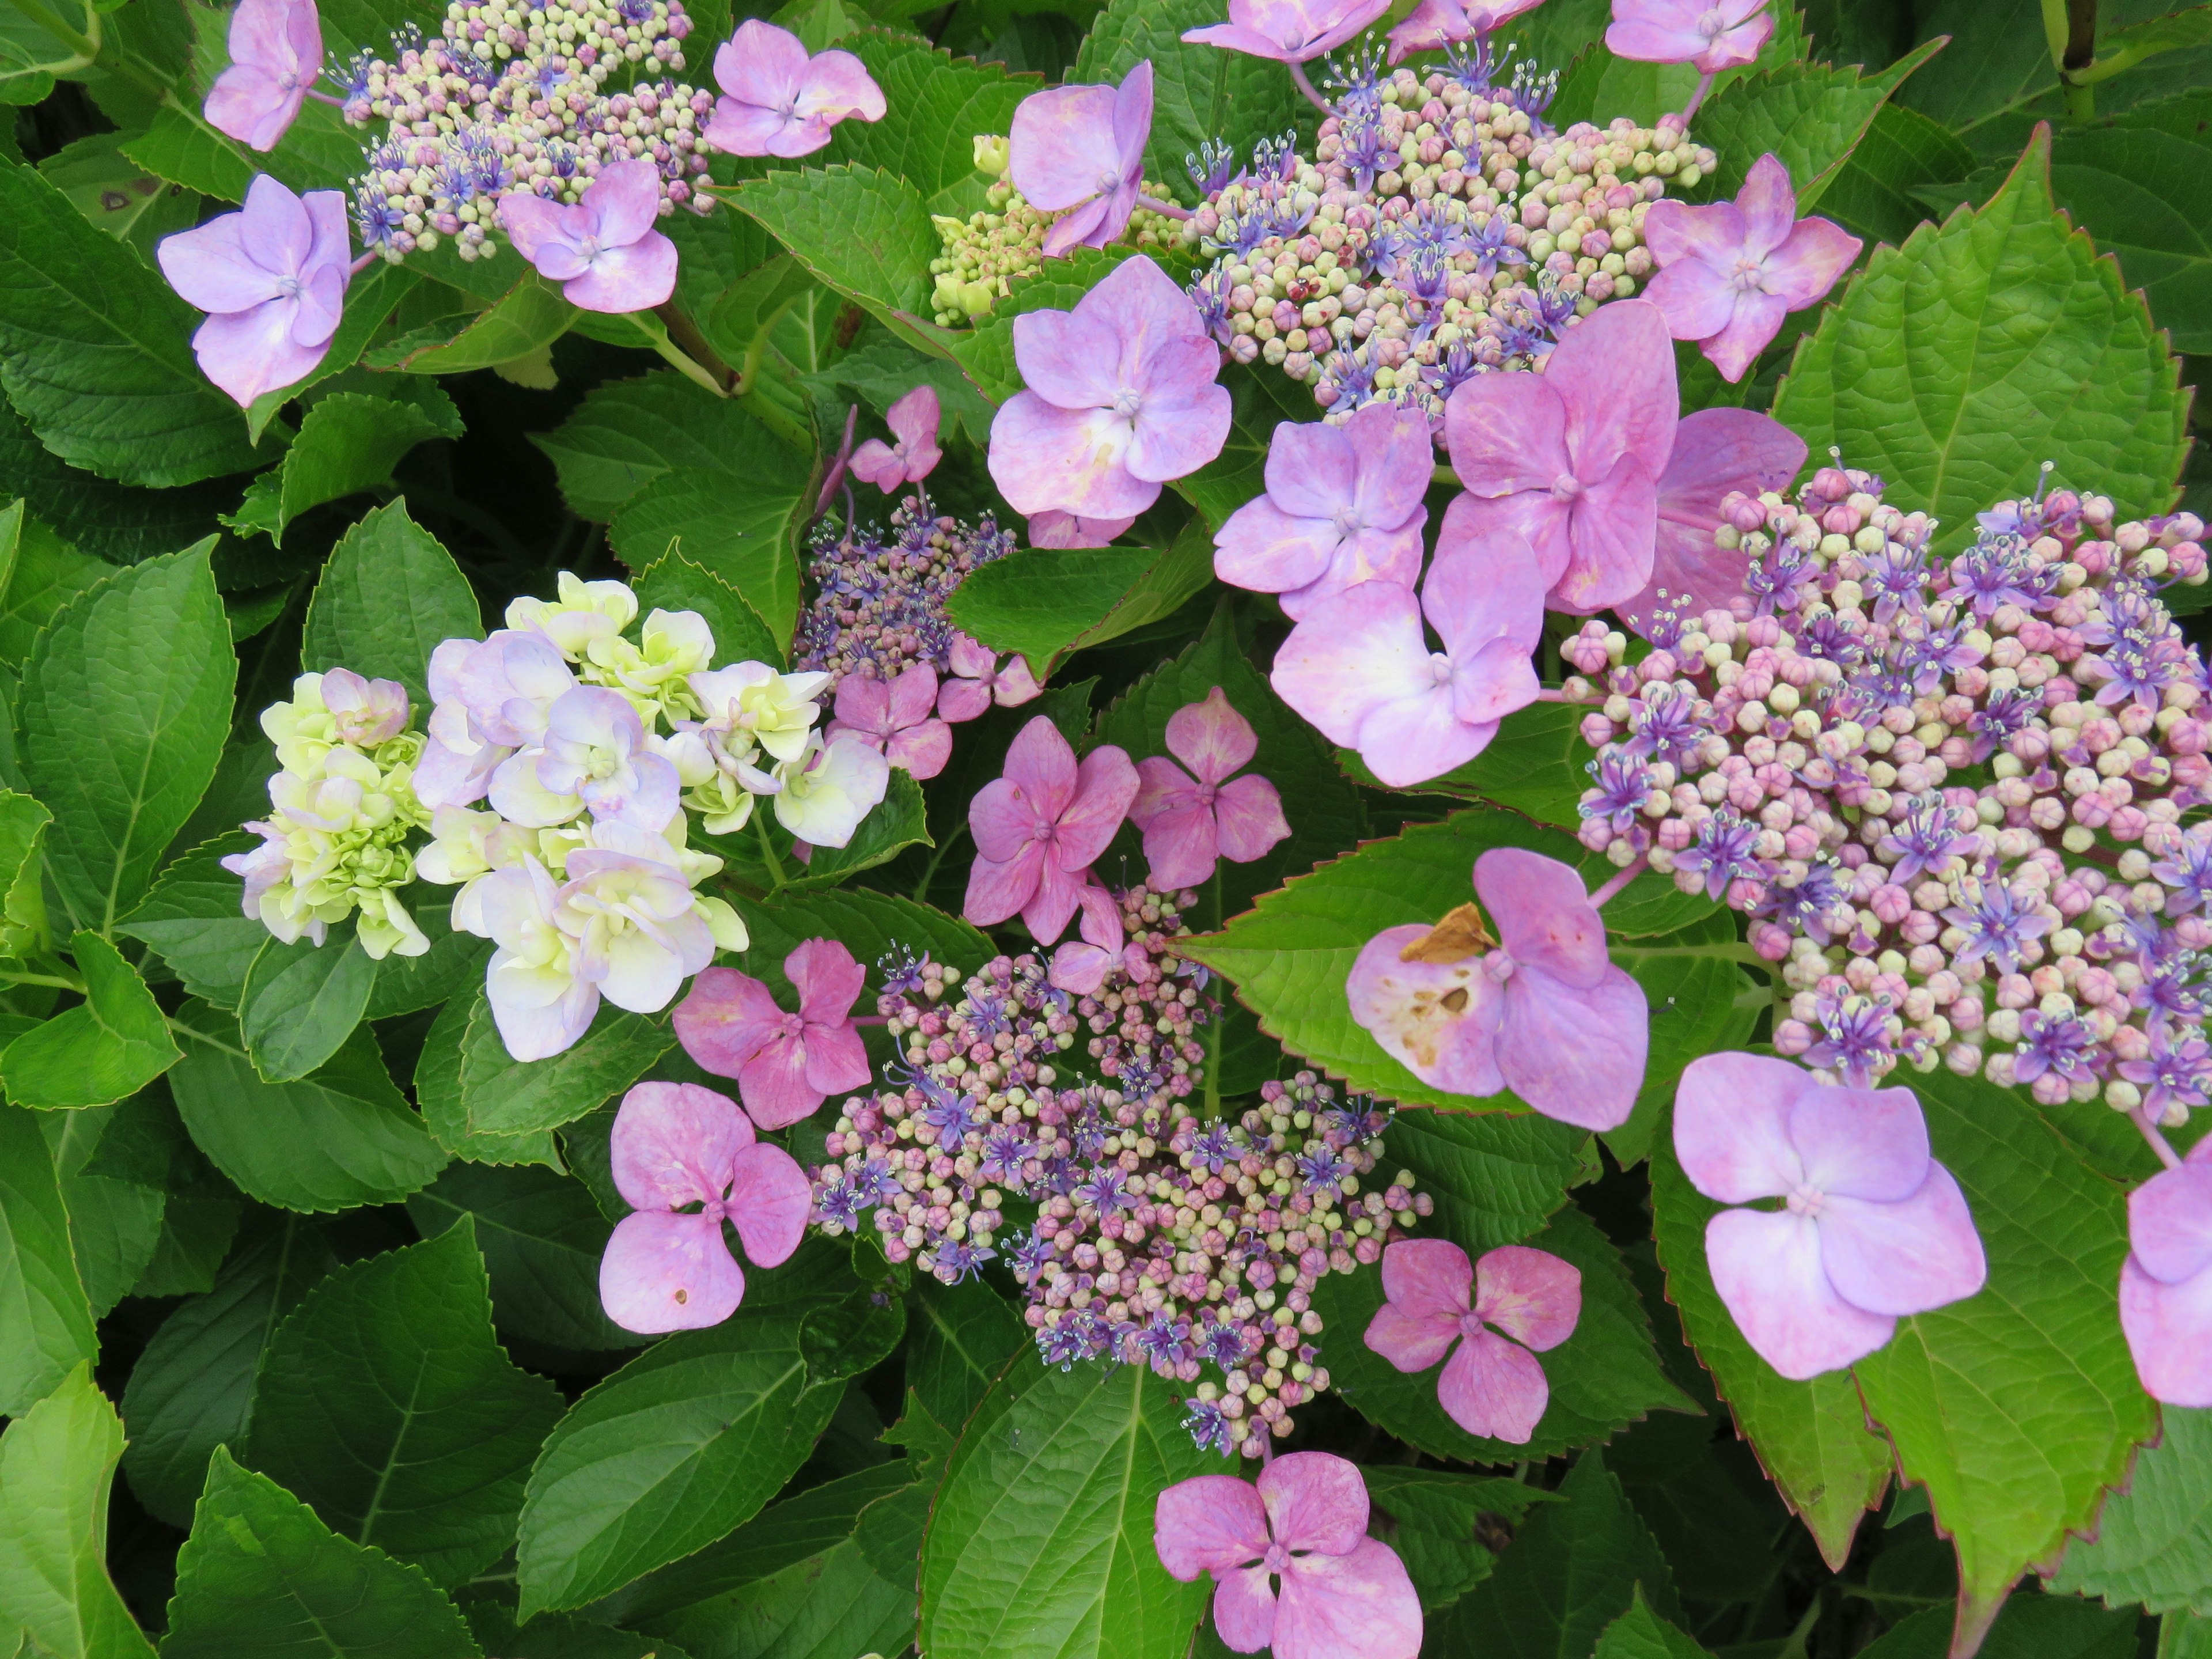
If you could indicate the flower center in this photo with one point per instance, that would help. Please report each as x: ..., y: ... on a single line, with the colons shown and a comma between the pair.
x: 1108, y: 182
x: 1470, y: 1324
x: 287, y: 81
x: 1347, y: 521
x: 1566, y: 487
x: 288, y: 288
x: 588, y: 249
x: 714, y: 1210
x: 1498, y: 966
x: 1807, y: 1200
x: 1749, y: 277
x: 1276, y: 1560
x: 1440, y: 668
x: 1712, y: 24
x: 1127, y: 402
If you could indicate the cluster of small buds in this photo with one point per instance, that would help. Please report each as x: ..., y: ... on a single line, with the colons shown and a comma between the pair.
x: 1952, y: 793
x: 1159, y: 1239
x: 1440, y: 230
x: 879, y: 602
x: 512, y: 96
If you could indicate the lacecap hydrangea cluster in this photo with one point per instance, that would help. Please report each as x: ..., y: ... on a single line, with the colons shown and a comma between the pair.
x: 1440, y: 230
x: 1158, y: 1238
x: 1955, y: 794
x: 880, y: 598
x: 510, y: 97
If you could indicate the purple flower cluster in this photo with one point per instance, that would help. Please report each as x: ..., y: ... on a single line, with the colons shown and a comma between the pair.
x: 1953, y: 792
x: 879, y: 600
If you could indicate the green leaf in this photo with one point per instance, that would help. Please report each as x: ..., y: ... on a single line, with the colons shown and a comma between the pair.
x: 301, y: 1001
x: 117, y: 195
x: 1573, y: 1570
x: 2145, y: 193
x: 44, y: 574
x: 438, y: 1091
x: 1872, y: 194
x: 2018, y: 1406
x: 1810, y: 115
x: 1956, y: 364
x: 676, y: 583
x: 626, y: 434
x: 115, y: 1224
x: 45, y: 1322
x: 2153, y: 1541
x: 542, y: 1237
x: 1496, y: 1177
x: 935, y: 106
x: 1042, y: 1539
x: 388, y: 597
x: 963, y: 1335
x: 1433, y: 1518
x: 530, y: 317
x: 1603, y: 1378
x: 556, y: 1635
x: 144, y: 661
x: 881, y: 369
x: 406, y: 985
x: 386, y: 1402
x: 260, y: 1577
x: 1640, y: 1634
x: 94, y: 349
x: 1050, y: 603
x: 55, y: 1462
x: 22, y: 875
x: 339, y: 1138
x: 741, y: 521
x: 111, y: 1044
x: 682, y: 1444
x: 504, y: 1096
x: 178, y: 145
x: 2030, y: 1627
x: 193, y: 920
x: 348, y: 442
x: 192, y: 1388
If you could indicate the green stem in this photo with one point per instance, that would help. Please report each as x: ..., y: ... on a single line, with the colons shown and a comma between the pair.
x: 58, y: 981
x: 768, y: 851
x: 180, y: 1028
x: 921, y: 893
x: 85, y: 46
x: 656, y: 336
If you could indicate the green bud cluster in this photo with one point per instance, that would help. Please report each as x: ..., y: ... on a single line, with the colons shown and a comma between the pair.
x: 985, y: 251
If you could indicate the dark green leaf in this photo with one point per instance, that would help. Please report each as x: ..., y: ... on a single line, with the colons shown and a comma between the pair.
x: 741, y: 521
x: 193, y: 920
x: 2030, y: 1627
x: 2153, y: 1542
x: 438, y: 1092
x: 301, y: 1001
x: 881, y: 369
x: 629, y: 432
x: 45, y: 573
x: 115, y: 1224
x: 111, y: 1044
x: 1048, y: 603
x: 453, y: 964
x: 1872, y: 194
x: 963, y: 1335
x: 1810, y: 115
x: 936, y: 105
x: 2145, y: 193
x: 555, y: 1636
x: 1640, y: 1634
x: 503, y: 1096
x: 1496, y: 1177
x: 117, y: 194
x: 45, y: 1322
x: 348, y: 442
x: 1433, y: 1518
x: 527, y: 318
x: 181, y: 147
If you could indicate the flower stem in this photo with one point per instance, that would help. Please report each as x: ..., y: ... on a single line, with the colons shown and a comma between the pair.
x: 1620, y: 880
x: 322, y: 97
x: 1165, y: 210
x: 767, y: 852
x: 58, y: 981
x: 1298, y: 74
x: 1704, y: 86
x: 2166, y: 1155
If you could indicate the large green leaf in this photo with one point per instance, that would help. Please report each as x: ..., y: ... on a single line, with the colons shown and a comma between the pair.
x: 1048, y: 603
x: 504, y: 1096
x: 386, y: 1402
x: 192, y: 1388
x: 22, y: 883
x: 301, y: 1001
x: 122, y: 712
x: 626, y: 434
x: 45, y: 1321
x: 1640, y: 1634
x: 193, y: 920
x: 94, y: 349
x: 1957, y: 365
x: 43, y: 571
x: 115, y: 1220
x: 342, y: 1137
x: 1603, y: 1378
x: 1872, y: 194
x: 2030, y: 1627
x: 2018, y: 1406
x: 55, y: 1462
x: 1432, y: 1518
x: 962, y: 1336
x: 260, y: 1577
x: 1810, y: 115
x: 1496, y: 1177
x: 676, y: 582
x: 438, y: 1092
x: 2153, y: 1542
x: 1042, y: 1538
x: 936, y: 104
x: 348, y: 442
x: 1534, y: 765
x: 527, y: 318
x: 111, y: 1044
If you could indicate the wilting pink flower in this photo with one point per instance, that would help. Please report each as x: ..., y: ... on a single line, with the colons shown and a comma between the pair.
x: 978, y: 682
x: 785, y: 1064
x: 1544, y: 1012
x: 1716, y: 451
x: 1121, y: 397
x: 1359, y: 669
x: 676, y: 1144
x: 276, y: 52
x: 1730, y: 273
x: 1289, y: 31
x: 1343, y: 507
x: 914, y: 419
x: 272, y: 277
x: 1711, y: 34
x: 1079, y: 152
x: 1039, y: 828
x: 898, y: 719
x: 2166, y: 1284
x: 1571, y: 458
x: 1053, y: 528
x: 603, y: 250
x: 1491, y: 1387
x: 1872, y: 1228
x: 776, y: 100
x: 1188, y: 825
x: 1435, y: 24
x: 1302, y: 1527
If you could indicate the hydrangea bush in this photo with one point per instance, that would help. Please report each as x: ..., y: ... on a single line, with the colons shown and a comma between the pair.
x: 1103, y: 832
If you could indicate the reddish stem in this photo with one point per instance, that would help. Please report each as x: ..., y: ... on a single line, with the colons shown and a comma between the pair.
x: 1642, y: 862
x: 2166, y: 1155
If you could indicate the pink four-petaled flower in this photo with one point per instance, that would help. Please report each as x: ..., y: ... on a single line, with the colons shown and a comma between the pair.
x: 1490, y: 1387
x: 785, y: 1064
x: 1189, y: 824
x: 1079, y: 152
x: 677, y: 1144
x: 1434, y: 24
x: 1872, y: 1227
x: 276, y: 52
x: 1730, y: 273
x: 1302, y: 1526
x: 2166, y: 1284
x: 1544, y: 1012
x: 978, y: 681
x: 1039, y: 828
x: 776, y: 100
x: 896, y: 718
x: 1716, y: 451
x: 1710, y: 34
x: 603, y: 250
x: 1289, y: 31
x: 914, y: 420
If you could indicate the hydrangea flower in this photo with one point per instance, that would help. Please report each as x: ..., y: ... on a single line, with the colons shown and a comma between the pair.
x: 785, y: 1064
x: 977, y: 681
x: 593, y: 756
x: 491, y: 698
x: 1039, y: 828
x: 898, y: 718
x: 1873, y: 1228
x: 1289, y: 31
x: 603, y: 250
x: 1711, y: 34
x: 914, y: 420
x: 1543, y: 1012
x: 668, y: 1268
x: 1079, y: 152
x: 823, y: 795
x: 1717, y: 453
x: 2166, y: 1284
x: 1433, y: 1298
x: 1435, y: 24
x: 1293, y: 1567
x: 1190, y: 823
x: 1119, y: 397
x: 776, y: 100
x: 1730, y: 273
x: 1572, y: 458
x: 1361, y: 671
x: 276, y: 53
x: 1053, y: 528
x: 1343, y: 506
x: 272, y: 278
